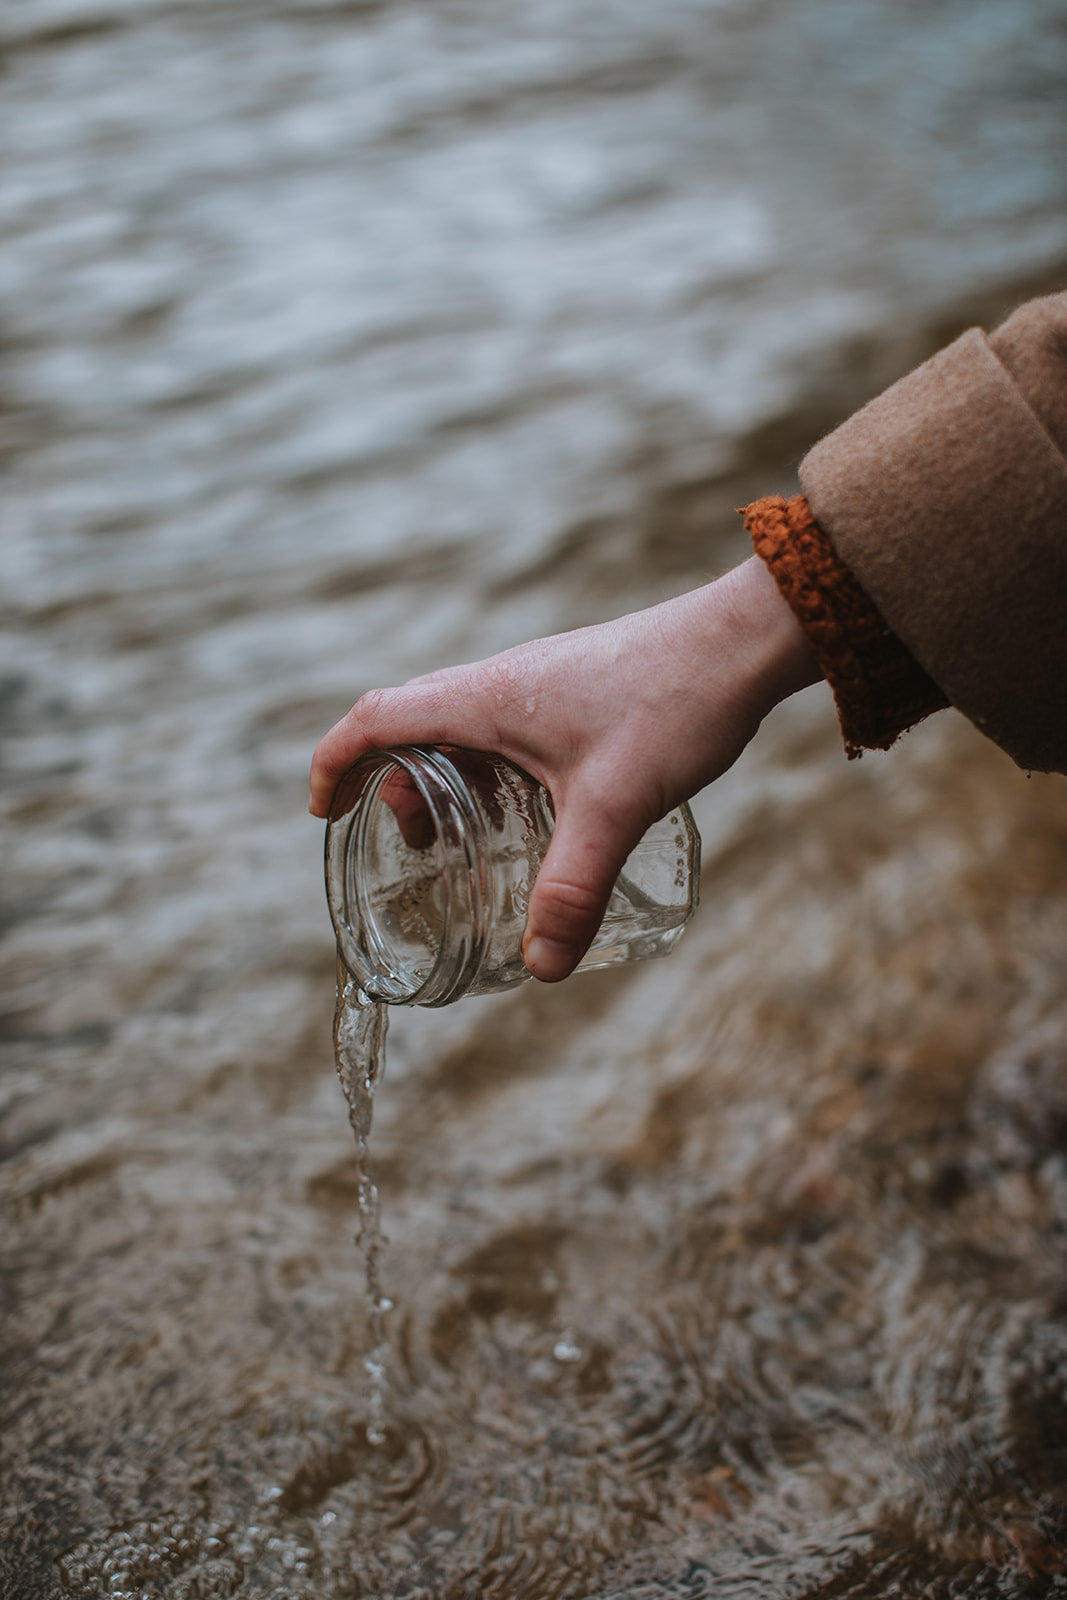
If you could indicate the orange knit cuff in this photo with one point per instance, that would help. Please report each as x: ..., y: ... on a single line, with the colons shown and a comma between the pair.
x: 879, y: 687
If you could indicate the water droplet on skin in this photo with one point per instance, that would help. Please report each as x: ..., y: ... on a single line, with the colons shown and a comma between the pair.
x: 565, y: 1350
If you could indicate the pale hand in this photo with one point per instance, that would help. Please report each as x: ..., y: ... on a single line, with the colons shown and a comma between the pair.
x: 620, y: 722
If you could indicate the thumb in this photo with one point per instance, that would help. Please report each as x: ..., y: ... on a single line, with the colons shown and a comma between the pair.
x: 568, y: 901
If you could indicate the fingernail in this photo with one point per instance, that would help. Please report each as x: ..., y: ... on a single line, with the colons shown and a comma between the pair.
x: 547, y: 959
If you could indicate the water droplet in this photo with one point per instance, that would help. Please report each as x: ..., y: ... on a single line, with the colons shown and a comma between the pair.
x: 565, y: 1350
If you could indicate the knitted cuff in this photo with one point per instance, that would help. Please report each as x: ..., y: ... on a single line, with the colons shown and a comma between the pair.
x: 879, y: 687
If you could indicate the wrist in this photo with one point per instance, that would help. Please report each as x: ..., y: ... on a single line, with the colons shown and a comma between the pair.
x: 778, y: 658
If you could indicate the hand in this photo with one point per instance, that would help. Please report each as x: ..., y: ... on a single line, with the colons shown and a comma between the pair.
x: 620, y: 722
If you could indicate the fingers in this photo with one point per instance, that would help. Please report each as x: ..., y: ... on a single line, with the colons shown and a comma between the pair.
x: 414, y: 714
x: 573, y: 887
x: 486, y: 706
x: 335, y: 752
x: 408, y: 805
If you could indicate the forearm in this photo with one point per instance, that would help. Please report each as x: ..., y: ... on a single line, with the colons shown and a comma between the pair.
x: 762, y: 625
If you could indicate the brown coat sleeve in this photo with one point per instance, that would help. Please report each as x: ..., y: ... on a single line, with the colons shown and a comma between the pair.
x: 879, y: 688
x: 947, y: 498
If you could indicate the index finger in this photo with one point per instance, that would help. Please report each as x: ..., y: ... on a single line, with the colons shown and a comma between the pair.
x: 421, y: 712
x: 336, y: 751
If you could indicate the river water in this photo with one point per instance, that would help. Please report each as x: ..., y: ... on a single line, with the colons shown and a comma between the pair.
x: 346, y: 338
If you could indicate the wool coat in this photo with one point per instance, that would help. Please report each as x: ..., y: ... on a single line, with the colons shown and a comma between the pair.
x: 946, y: 497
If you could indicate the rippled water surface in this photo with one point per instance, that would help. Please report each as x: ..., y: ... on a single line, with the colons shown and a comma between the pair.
x: 343, y: 340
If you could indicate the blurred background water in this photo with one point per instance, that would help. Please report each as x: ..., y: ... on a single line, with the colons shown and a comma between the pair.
x: 343, y: 340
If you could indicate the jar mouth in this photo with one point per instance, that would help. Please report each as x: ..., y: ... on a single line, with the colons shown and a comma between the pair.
x: 405, y: 856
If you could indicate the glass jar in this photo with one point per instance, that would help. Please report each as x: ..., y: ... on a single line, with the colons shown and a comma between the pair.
x: 431, y: 854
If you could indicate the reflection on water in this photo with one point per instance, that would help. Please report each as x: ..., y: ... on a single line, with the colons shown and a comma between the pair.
x: 345, y: 340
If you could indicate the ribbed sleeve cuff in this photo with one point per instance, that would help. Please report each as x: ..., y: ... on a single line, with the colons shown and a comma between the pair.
x: 878, y: 686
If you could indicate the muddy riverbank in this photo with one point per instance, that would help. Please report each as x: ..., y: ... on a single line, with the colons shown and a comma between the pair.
x: 343, y: 341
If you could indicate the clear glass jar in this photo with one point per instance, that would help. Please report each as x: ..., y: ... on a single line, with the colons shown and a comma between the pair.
x: 431, y: 854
